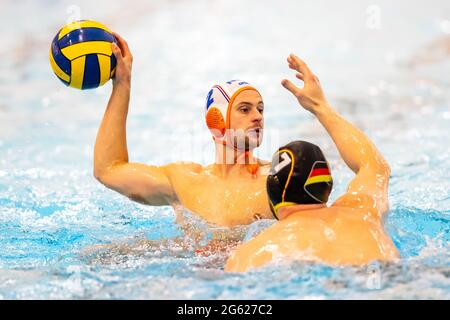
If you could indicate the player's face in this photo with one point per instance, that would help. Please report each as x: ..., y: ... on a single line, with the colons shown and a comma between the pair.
x: 247, y: 120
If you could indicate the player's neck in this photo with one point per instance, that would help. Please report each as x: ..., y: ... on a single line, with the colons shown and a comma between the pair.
x: 231, y: 161
x: 284, y: 212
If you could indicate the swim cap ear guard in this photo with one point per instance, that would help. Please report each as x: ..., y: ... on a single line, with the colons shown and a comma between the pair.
x: 299, y: 174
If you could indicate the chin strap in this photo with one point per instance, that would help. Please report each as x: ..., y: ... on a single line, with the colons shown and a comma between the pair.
x: 251, y: 167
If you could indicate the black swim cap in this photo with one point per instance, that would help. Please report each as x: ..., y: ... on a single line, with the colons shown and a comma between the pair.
x: 299, y: 174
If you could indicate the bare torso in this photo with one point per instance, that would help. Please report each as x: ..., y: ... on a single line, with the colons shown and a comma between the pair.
x: 238, y: 199
x: 336, y: 235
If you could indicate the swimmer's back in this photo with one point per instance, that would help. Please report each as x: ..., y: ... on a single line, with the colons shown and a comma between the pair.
x: 337, y: 235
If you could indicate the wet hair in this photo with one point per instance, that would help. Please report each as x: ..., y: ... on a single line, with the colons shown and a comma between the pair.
x: 299, y: 174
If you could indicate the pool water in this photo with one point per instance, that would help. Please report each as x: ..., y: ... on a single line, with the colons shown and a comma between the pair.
x: 384, y: 67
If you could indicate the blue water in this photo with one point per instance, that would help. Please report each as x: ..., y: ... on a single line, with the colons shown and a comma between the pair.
x: 389, y: 77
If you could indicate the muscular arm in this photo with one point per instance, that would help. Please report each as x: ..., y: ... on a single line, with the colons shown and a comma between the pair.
x: 111, y: 143
x: 359, y: 153
x: 140, y: 182
x: 362, y: 157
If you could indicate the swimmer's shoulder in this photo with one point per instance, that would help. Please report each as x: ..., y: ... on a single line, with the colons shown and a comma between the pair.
x: 356, y: 203
x: 354, y: 200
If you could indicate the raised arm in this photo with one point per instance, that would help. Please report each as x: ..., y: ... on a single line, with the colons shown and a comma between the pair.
x: 359, y: 153
x: 140, y: 182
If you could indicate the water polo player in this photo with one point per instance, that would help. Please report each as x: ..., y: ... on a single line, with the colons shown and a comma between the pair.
x: 229, y: 192
x: 350, y: 231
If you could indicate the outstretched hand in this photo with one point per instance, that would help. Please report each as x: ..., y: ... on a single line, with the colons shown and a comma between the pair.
x: 124, y: 61
x: 311, y: 95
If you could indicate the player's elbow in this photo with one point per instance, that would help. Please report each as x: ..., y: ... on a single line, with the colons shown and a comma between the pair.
x: 104, y: 173
x: 388, y: 170
x: 104, y: 177
x: 385, y: 169
x: 99, y: 174
x: 99, y: 170
x: 382, y: 168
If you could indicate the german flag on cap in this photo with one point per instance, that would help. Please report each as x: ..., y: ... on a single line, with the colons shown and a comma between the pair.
x: 319, y: 173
